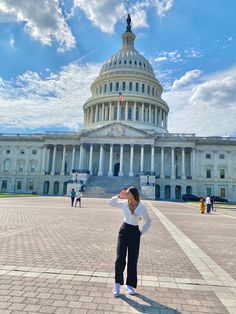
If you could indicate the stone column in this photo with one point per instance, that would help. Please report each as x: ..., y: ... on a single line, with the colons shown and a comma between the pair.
x: 142, y: 112
x: 183, y: 176
x: 110, y: 173
x: 96, y: 114
x: 155, y: 113
x: 43, y: 158
x: 121, y: 160
x: 73, y: 158
x: 110, y: 112
x: 162, y: 163
x: 126, y: 111
x: 193, y: 162
x: 172, y: 163
x: 135, y: 109
x: 152, y: 158
x: 149, y: 113
x: 159, y: 117
x: 81, y: 157
x: 91, y: 159
x: 100, y: 170
x: 54, y: 160
x: 103, y: 106
x: 131, y: 167
x: 63, y: 161
x: 142, y: 158
x: 118, y: 110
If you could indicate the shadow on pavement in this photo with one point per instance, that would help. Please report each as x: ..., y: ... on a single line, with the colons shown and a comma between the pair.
x: 143, y: 304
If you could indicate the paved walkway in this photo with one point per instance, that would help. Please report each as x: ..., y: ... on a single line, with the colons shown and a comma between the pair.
x: 58, y: 259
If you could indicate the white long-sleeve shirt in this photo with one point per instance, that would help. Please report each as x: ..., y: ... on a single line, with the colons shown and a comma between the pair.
x: 132, y: 218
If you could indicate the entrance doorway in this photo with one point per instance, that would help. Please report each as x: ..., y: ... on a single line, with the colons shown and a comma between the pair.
x: 157, y: 192
x: 116, y: 169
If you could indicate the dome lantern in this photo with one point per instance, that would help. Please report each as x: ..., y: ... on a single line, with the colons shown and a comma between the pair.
x: 128, y: 36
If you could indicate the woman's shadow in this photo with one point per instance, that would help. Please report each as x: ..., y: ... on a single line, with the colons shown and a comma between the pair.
x: 143, y: 304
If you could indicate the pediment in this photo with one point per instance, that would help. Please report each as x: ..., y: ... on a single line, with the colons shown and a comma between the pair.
x: 116, y: 130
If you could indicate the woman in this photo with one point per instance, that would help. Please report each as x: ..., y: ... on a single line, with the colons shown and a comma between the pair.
x: 202, y: 205
x: 129, y: 237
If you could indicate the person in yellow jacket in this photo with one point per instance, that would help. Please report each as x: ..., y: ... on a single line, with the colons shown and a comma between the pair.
x: 202, y: 205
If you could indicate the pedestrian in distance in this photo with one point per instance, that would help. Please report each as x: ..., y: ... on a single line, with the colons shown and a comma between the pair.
x: 78, y: 198
x: 208, y: 204
x: 212, y: 203
x: 202, y: 205
x: 129, y: 238
x: 72, y: 196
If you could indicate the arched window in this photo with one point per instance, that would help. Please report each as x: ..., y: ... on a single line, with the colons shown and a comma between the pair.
x: 105, y: 88
x: 143, y: 88
x: 122, y: 113
x: 153, y: 91
x: 6, y: 165
x: 167, y: 192
x: 129, y: 113
x: 123, y: 86
x: 117, y: 86
x: 148, y: 89
x: 130, y: 86
x: 137, y: 87
x: 110, y: 87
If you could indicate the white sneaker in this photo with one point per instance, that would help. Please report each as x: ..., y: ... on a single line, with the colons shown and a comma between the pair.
x: 130, y: 290
x: 116, y: 290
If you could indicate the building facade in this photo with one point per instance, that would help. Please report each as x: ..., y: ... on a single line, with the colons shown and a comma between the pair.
x: 125, y: 135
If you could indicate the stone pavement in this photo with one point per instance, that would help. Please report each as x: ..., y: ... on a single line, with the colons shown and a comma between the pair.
x: 58, y: 259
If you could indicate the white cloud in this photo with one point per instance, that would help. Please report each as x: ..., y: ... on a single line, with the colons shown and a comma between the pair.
x: 171, y: 56
x: 44, y: 22
x: 187, y: 78
x: 106, y: 13
x: 31, y: 101
x: 207, y: 108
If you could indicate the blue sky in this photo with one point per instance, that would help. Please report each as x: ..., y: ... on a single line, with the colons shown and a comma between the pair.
x: 50, y: 55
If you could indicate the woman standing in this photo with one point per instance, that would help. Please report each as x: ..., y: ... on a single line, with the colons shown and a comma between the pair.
x: 129, y: 237
x: 202, y: 205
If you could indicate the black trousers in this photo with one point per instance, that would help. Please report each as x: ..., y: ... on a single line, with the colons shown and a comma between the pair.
x: 128, y: 239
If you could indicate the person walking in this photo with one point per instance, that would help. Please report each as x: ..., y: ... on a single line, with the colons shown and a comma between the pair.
x: 208, y: 204
x: 129, y: 237
x: 78, y: 197
x: 72, y: 197
x: 202, y: 205
x: 212, y: 203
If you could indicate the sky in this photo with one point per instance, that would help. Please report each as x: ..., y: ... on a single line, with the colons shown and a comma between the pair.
x: 52, y: 50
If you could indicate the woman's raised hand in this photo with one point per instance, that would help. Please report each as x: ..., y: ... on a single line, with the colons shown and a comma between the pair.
x: 123, y: 194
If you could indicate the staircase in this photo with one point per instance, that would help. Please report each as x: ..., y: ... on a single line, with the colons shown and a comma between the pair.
x: 105, y: 187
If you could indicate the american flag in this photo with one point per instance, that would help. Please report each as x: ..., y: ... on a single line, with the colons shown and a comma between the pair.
x: 121, y: 97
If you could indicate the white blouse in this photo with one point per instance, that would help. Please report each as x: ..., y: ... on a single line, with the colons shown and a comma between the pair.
x: 129, y: 217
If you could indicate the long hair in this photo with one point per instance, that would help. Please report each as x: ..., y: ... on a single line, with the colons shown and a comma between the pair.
x: 135, y: 193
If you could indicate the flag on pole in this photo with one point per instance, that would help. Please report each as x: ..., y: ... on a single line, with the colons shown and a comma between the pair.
x: 121, y: 97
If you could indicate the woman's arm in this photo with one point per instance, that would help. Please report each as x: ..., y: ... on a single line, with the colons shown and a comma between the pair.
x: 147, y: 220
x: 118, y: 200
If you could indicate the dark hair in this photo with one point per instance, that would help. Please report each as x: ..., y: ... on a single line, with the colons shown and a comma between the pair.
x: 135, y: 193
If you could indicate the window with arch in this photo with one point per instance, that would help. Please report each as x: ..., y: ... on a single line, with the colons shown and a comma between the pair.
x: 153, y: 91
x: 6, y: 165
x: 122, y: 113
x: 125, y: 62
x: 115, y: 113
x: 137, y: 87
x: 123, y: 86
x: 148, y: 89
x: 111, y: 86
x: 130, y: 86
x: 143, y: 88
x: 137, y: 114
x: 117, y: 86
x: 130, y: 61
x: 100, y: 89
x: 105, y: 88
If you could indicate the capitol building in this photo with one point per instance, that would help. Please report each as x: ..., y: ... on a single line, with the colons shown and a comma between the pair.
x: 124, y: 141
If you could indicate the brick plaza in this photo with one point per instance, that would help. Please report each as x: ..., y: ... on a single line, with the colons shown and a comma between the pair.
x: 59, y: 259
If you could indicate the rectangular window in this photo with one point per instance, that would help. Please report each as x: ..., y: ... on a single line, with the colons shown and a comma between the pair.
x: 105, y: 88
x: 153, y: 91
x: 208, y: 191
x: 137, y: 87
x: 100, y: 89
x: 4, y: 184
x: 148, y: 89
x: 222, y: 173
x: 18, y: 185
x: 208, y: 156
x: 32, y: 167
x: 222, y: 192
x: 130, y: 113
x: 6, y: 165
x: 208, y: 173
x: 222, y: 156
x: 20, y: 167
x: 31, y: 185
x: 34, y: 152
